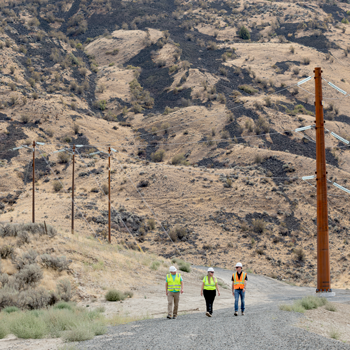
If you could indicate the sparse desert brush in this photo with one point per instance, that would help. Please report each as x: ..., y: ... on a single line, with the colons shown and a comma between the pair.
x: 243, y: 33
x: 248, y: 89
x: 211, y: 45
x: 25, y: 119
x: 223, y: 71
x: 63, y: 157
x: 306, y: 60
x: 179, y: 159
x: 114, y: 295
x: 221, y: 98
x: 257, y: 105
x: 299, y: 254
x: 158, y: 156
x: 155, y: 265
x: 258, y: 225
x: 105, y: 189
x: 268, y: 101
x: 296, y: 70
x: 57, y: 186
x: 261, y: 126
x: 258, y: 158
x: 178, y: 232
x: 76, y: 129
x: 151, y: 224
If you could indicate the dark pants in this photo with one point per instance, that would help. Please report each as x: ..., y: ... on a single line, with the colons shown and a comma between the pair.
x: 209, y: 296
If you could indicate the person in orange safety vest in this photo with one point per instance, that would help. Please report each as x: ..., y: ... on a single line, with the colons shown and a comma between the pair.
x: 239, y: 284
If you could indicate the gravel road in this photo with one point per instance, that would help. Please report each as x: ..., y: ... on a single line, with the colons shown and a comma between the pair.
x: 263, y: 327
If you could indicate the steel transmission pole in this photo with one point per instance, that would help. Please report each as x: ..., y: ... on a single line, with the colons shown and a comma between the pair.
x: 33, y: 195
x: 109, y: 194
x: 323, y: 266
x: 73, y: 171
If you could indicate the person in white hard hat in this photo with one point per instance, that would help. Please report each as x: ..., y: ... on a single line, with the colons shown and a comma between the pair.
x: 174, y: 285
x: 209, y: 287
x: 239, y: 284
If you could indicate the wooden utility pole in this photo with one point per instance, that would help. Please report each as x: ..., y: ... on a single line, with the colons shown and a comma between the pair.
x: 73, y: 189
x: 323, y: 267
x: 33, y: 196
x: 109, y: 194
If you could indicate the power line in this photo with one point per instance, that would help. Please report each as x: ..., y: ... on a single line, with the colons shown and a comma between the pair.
x: 154, y: 214
x: 108, y: 200
x: 81, y: 213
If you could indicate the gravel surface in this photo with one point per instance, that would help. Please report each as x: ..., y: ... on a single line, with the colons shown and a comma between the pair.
x: 264, y: 326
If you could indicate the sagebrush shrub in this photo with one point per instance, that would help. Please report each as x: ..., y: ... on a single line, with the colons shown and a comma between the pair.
x: 6, y: 251
x: 28, y: 276
x: 258, y: 225
x: 114, y: 295
x: 27, y: 258
x: 32, y: 299
x: 64, y: 289
x: 55, y: 262
x: 57, y: 186
x: 158, y: 156
x: 63, y: 157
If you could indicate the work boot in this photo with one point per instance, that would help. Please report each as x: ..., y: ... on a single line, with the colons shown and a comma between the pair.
x: 242, y: 313
x: 236, y: 313
x: 174, y: 317
x: 208, y: 314
x: 169, y: 317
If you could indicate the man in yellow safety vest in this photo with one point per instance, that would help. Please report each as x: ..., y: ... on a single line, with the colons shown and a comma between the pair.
x: 174, y: 285
x: 239, y: 284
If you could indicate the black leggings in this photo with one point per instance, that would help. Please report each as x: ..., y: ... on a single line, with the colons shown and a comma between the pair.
x: 209, y: 296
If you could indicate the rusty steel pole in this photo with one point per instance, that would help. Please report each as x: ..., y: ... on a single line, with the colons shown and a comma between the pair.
x: 33, y: 196
x: 73, y: 170
x: 323, y: 266
x: 109, y: 194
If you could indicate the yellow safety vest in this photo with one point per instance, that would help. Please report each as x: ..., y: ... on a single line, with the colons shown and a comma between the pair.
x: 239, y: 283
x: 211, y: 285
x: 174, y: 285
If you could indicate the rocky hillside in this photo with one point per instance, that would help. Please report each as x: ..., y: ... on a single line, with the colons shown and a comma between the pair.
x: 200, y: 101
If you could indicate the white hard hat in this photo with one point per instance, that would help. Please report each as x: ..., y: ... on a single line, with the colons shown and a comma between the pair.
x: 239, y: 264
x: 210, y: 269
x: 172, y: 269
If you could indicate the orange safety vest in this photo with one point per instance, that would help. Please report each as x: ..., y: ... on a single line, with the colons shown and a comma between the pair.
x: 238, y: 283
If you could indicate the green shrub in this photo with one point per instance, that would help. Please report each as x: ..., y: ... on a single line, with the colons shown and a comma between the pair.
x: 114, y: 295
x: 312, y: 302
x: 57, y: 186
x: 81, y: 333
x: 331, y: 307
x: 158, y: 156
x: 3, y: 330
x: 248, y: 89
x: 10, y: 309
x: 179, y: 159
x: 151, y: 223
x: 184, y: 266
x: 243, y: 33
x: 63, y: 157
x: 28, y: 325
x: 155, y: 265
x: 62, y: 305
x: 307, y: 303
x: 345, y: 21
x: 128, y: 294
